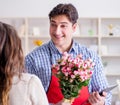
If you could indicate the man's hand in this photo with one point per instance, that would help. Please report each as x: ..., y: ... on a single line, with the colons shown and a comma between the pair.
x: 96, y: 99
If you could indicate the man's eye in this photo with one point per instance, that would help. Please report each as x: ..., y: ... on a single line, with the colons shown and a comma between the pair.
x: 63, y: 26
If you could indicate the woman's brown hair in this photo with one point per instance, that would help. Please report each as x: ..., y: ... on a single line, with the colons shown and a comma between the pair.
x: 11, y: 60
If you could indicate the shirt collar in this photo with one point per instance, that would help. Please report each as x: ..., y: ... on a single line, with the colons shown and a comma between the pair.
x: 54, y: 49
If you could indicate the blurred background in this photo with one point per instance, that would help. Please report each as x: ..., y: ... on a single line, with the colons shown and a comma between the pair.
x: 98, y: 28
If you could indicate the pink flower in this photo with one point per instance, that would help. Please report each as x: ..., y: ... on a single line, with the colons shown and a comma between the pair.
x: 73, y: 72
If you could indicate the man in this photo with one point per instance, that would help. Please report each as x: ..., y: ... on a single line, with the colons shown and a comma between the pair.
x: 63, y: 23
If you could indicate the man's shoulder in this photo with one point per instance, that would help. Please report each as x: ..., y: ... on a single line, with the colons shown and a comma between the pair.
x: 42, y: 48
x: 39, y: 50
x: 82, y: 47
x: 85, y: 51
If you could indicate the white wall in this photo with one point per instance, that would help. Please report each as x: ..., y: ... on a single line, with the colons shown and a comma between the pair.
x: 86, y: 8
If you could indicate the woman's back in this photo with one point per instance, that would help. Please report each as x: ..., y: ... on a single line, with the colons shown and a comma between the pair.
x: 27, y: 91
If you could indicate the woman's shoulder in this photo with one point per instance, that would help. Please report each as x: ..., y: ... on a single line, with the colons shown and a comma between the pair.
x: 28, y: 77
x: 25, y: 78
x: 24, y: 90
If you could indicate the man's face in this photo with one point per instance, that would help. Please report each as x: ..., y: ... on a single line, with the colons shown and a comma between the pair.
x: 61, y: 30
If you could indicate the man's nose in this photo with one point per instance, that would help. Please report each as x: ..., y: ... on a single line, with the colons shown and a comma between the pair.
x: 58, y: 30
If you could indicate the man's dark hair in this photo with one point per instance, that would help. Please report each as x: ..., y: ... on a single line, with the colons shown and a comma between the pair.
x: 65, y: 9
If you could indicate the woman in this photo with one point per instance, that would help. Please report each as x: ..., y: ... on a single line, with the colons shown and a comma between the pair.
x: 16, y: 87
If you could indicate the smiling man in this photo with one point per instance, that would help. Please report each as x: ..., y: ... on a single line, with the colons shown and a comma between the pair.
x: 63, y: 23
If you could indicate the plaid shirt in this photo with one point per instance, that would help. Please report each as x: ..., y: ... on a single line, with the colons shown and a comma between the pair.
x: 39, y: 62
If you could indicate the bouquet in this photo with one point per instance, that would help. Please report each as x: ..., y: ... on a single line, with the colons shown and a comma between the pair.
x: 73, y: 73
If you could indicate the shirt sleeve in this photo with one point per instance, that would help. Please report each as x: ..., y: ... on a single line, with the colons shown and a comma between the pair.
x: 36, y: 92
x: 29, y: 64
x: 99, y: 81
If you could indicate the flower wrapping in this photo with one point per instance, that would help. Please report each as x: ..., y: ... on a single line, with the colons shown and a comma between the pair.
x: 73, y: 74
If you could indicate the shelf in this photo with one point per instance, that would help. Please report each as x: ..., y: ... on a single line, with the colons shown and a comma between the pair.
x: 38, y: 26
x: 91, y: 32
x: 85, y: 36
x: 39, y: 36
x: 111, y: 37
x: 112, y: 55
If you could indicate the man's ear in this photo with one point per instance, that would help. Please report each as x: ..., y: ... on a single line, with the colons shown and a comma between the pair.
x: 74, y: 27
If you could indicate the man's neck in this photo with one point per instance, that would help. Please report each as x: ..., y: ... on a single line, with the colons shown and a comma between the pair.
x: 64, y: 48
